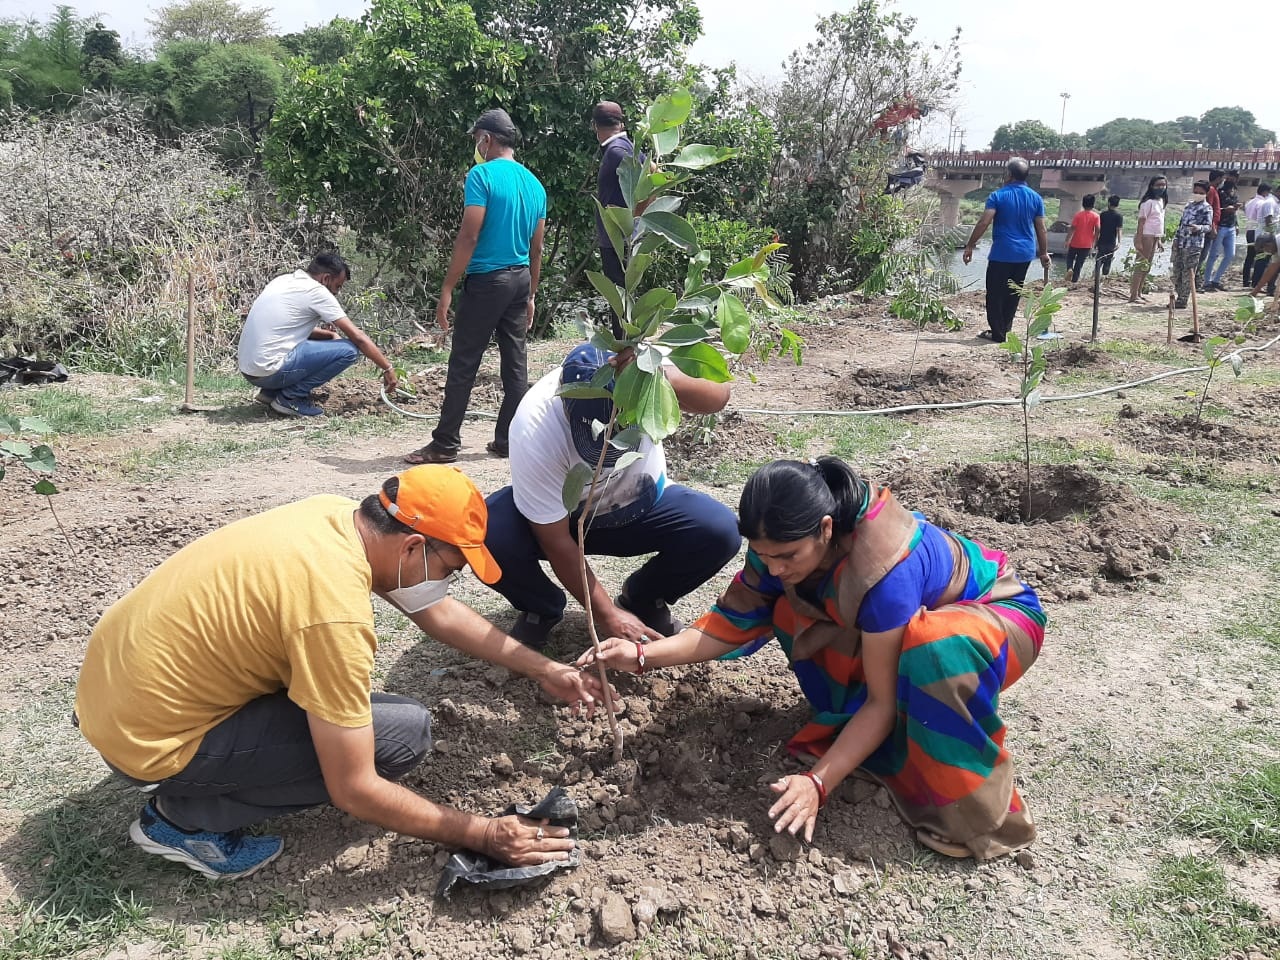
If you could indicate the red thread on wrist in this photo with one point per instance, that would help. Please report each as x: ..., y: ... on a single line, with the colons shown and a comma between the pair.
x: 822, y: 788
x: 639, y: 657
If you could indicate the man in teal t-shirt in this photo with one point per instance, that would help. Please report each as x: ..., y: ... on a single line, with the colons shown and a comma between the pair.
x: 499, y: 249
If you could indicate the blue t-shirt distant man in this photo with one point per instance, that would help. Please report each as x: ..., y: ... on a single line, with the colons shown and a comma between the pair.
x: 1013, y: 232
x: 514, y: 202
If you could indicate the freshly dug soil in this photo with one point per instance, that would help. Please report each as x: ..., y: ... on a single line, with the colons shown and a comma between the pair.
x: 1187, y: 436
x: 1086, y: 534
x: 700, y: 442
x: 869, y: 387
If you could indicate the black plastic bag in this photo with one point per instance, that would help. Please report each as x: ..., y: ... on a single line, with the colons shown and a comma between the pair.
x: 476, y: 869
x: 24, y: 370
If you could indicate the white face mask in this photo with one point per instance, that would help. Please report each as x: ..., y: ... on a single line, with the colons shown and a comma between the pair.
x: 420, y: 596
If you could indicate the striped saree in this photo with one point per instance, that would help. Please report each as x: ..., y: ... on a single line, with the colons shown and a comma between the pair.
x: 945, y: 763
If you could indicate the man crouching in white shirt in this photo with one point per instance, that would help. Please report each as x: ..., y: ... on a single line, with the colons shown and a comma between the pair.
x: 293, y: 339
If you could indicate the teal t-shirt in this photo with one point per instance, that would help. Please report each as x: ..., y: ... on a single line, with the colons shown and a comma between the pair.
x: 514, y: 202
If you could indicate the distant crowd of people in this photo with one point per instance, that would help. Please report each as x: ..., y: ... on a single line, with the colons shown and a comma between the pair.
x: 1202, y: 250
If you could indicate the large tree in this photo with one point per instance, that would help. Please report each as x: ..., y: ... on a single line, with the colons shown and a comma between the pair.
x: 1124, y: 133
x: 843, y: 112
x: 1026, y: 135
x: 210, y: 21
x: 1232, y: 128
x: 380, y: 137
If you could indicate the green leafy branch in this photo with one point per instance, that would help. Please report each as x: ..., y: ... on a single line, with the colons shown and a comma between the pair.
x: 37, y: 458
x: 1038, y: 310
x: 696, y: 328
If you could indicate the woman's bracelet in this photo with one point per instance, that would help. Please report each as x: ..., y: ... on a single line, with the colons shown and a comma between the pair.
x: 640, y: 657
x: 822, y: 788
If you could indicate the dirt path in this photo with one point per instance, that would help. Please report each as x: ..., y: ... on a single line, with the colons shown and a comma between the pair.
x: 1156, y: 693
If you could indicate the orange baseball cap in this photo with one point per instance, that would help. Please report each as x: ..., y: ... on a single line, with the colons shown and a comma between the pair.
x: 441, y: 502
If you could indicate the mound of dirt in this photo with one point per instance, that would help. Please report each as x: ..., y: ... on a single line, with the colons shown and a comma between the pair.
x: 700, y: 442
x: 1085, y: 534
x: 869, y: 387
x: 1075, y: 356
x: 360, y: 395
x: 1188, y: 436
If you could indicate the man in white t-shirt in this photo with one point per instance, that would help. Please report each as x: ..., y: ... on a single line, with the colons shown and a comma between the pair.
x: 1260, y: 215
x: 636, y: 511
x: 290, y: 344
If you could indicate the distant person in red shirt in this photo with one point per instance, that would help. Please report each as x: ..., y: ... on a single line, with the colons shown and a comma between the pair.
x: 1215, y: 201
x: 1085, y: 227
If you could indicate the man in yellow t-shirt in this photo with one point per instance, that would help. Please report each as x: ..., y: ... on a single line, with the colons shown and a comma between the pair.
x: 234, y: 683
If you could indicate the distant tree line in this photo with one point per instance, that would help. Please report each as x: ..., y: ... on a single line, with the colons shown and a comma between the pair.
x: 1222, y: 128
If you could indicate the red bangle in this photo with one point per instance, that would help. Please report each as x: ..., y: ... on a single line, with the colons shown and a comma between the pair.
x: 822, y: 788
x: 640, y: 656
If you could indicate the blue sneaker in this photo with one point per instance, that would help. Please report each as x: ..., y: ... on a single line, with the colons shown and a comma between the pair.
x: 295, y: 408
x: 219, y: 856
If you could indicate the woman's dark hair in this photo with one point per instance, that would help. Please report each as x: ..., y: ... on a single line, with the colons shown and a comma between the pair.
x: 1088, y: 201
x: 1154, y: 194
x: 786, y: 500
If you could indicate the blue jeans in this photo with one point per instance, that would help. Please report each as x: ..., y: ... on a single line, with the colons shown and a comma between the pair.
x: 1224, y: 246
x: 310, y: 364
x: 693, y: 537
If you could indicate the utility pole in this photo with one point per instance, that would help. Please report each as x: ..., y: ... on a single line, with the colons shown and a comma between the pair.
x: 1062, y: 124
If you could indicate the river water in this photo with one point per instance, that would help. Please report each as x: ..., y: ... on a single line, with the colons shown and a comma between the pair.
x: 971, y: 276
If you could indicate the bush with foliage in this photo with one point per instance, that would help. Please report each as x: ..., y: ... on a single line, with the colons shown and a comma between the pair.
x: 100, y: 224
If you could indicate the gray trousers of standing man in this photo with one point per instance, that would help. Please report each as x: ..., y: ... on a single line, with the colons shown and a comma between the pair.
x: 260, y: 763
x: 493, y: 304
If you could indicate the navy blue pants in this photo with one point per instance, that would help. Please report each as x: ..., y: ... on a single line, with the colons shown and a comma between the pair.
x: 693, y: 535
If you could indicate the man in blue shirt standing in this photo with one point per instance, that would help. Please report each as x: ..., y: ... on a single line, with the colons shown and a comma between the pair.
x: 1018, y: 236
x: 499, y: 249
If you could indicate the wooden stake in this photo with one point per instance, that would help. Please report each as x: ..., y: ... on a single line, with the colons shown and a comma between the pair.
x: 1169, y: 336
x: 1195, y: 313
x: 191, y: 341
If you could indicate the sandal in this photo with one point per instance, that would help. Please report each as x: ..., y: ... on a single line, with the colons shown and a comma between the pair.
x: 935, y: 843
x: 430, y: 454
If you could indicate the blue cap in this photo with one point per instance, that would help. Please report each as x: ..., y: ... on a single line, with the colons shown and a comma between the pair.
x: 579, y: 367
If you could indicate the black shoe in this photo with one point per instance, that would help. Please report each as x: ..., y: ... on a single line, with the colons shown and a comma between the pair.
x: 498, y: 449
x: 655, y: 615
x: 533, y: 630
x: 1180, y: 304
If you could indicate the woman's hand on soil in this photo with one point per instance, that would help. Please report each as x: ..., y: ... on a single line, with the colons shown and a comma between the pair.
x: 626, y: 625
x: 616, y: 654
x: 524, y: 842
x: 797, y: 807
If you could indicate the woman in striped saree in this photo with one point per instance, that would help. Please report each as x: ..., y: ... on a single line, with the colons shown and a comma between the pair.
x: 902, y: 636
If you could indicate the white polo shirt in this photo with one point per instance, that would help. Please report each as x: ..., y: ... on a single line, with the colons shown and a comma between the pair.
x: 283, y: 315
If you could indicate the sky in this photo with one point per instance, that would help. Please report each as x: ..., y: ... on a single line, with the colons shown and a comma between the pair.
x: 1016, y: 66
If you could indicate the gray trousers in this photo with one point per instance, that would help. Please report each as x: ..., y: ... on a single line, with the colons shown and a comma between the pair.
x: 260, y: 763
x: 492, y: 305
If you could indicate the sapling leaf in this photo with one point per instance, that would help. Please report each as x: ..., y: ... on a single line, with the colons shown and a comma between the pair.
x: 744, y: 269
x: 603, y: 375
x: 583, y: 391
x: 703, y: 361
x: 16, y: 448
x: 609, y: 290
x: 617, y: 236
x: 603, y: 338
x: 1038, y: 326
x: 763, y: 253
x: 1011, y: 343
x: 33, y: 425
x: 42, y: 459
x: 625, y: 224
x: 683, y: 335
x: 1237, y: 363
x: 9, y: 424
x: 646, y: 400
x: 735, y: 324
x: 628, y: 439
x: 699, y: 156
x: 597, y: 428
x: 635, y: 270
x: 43, y: 486
x: 575, y: 481
x: 668, y: 111
x: 676, y: 229
x: 666, y: 141
x: 667, y: 204
x: 1033, y: 399
x: 630, y: 171
x: 626, y: 460
x: 648, y: 358
x: 1, y: 470
x: 693, y: 278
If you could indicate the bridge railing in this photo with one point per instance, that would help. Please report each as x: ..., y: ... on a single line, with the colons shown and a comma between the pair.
x: 1197, y: 159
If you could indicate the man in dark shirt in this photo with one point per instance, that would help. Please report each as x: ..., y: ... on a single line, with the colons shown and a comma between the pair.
x: 1223, y: 250
x: 1109, y: 233
x: 615, y: 146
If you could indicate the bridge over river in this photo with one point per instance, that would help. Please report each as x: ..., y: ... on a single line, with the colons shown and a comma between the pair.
x: 1070, y: 174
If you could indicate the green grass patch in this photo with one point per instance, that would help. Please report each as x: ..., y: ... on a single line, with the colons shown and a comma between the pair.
x: 68, y: 411
x: 1136, y: 350
x: 79, y: 899
x: 1242, y: 815
x: 1185, y: 911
